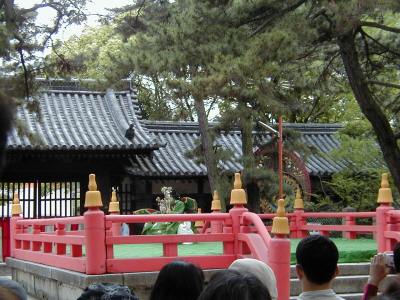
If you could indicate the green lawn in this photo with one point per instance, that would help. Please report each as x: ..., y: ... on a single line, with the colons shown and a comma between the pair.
x: 350, y: 250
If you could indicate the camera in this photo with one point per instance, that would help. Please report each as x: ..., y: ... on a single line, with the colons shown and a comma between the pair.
x: 389, y: 261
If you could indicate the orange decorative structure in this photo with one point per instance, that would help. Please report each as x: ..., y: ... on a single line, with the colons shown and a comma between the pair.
x: 385, y: 192
x: 199, y: 223
x: 114, y: 204
x: 93, y: 196
x: 280, y: 224
x: 298, y: 201
x: 238, y: 194
x: 16, y: 206
x: 216, y: 203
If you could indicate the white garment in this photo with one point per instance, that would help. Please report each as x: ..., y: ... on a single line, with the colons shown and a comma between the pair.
x: 185, y: 228
x: 124, y: 229
x: 320, y: 295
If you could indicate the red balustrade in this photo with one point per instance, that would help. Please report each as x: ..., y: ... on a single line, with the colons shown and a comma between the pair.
x: 31, y: 242
x: 299, y: 227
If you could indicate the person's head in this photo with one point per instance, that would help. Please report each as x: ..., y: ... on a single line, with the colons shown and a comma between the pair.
x: 7, y: 110
x: 233, y: 285
x: 261, y: 270
x: 178, y: 280
x: 317, y: 258
x: 11, y: 290
x: 396, y: 257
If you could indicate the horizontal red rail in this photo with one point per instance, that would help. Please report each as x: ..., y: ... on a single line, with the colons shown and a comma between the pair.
x: 54, y: 221
x: 172, y: 238
x: 59, y: 261
x: 347, y: 228
x: 167, y: 218
x: 65, y: 239
x: 371, y: 214
x: 118, y: 265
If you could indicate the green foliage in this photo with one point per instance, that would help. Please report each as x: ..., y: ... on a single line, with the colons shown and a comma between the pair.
x: 168, y: 205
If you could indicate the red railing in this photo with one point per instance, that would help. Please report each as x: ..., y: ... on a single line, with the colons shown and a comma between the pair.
x: 169, y: 243
x: 62, y: 247
x: 242, y: 233
x: 300, y: 227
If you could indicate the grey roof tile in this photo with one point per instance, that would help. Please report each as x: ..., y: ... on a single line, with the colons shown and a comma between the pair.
x: 84, y: 120
x: 180, y: 137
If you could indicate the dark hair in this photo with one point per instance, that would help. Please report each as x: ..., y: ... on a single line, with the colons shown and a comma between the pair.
x: 178, y: 280
x: 232, y: 285
x: 396, y: 257
x: 318, y: 257
x: 7, y: 110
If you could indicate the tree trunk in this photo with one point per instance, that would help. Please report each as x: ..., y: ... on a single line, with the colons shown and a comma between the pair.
x: 246, y: 127
x: 206, y: 144
x: 369, y: 107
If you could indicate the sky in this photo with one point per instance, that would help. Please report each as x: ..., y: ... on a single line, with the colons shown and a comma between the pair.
x: 93, y: 7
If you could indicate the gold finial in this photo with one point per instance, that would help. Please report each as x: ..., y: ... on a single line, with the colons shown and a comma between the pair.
x: 114, y: 204
x: 385, y: 192
x: 216, y: 203
x: 93, y: 196
x: 92, y: 182
x: 238, y: 195
x: 280, y: 224
x: 199, y: 223
x: 16, y: 209
x: 298, y: 202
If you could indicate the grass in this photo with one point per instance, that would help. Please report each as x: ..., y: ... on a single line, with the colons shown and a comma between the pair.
x: 359, y: 250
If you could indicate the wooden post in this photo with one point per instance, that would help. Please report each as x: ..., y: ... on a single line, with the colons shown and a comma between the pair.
x: 14, y: 229
x: 94, y: 230
x: 348, y: 220
x: 238, y: 200
x: 199, y: 224
x: 113, y: 209
x: 279, y: 256
x: 216, y: 226
x: 298, y: 215
x: 385, y: 200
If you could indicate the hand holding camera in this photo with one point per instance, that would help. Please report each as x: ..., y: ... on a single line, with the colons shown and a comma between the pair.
x: 380, y: 267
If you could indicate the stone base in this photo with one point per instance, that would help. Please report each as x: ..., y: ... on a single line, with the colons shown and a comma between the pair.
x: 45, y: 282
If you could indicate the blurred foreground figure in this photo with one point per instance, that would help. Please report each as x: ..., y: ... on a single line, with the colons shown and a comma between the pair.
x: 11, y: 290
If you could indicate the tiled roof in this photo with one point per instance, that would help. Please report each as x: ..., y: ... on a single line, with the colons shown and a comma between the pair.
x: 181, y: 137
x: 83, y: 120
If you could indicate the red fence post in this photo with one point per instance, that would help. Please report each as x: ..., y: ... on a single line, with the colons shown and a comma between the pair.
x: 385, y: 199
x: 349, y: 221
x: 238, y: 200
x: 216, y: 226
x: 94, y: 223
x: 113, y: 209
x: 6, y: 249
x: 15, y: 212
x: 298, y: 215
x: 279, y: 256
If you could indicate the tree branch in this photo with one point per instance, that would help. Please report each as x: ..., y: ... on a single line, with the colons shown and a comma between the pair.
x: 380, y: 26
x: 21, y: 55
x: 386, y: 84
x: 381, y: 45
x: 278, y: 15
